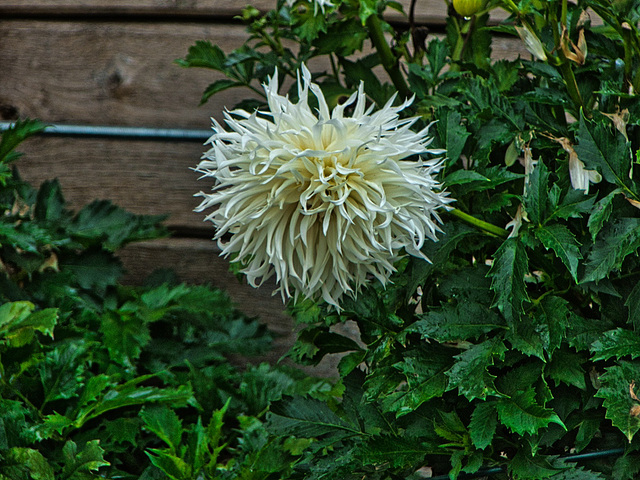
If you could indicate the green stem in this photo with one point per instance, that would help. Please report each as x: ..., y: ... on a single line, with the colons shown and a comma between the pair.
x: 389, y: 60
x: 480, y: 224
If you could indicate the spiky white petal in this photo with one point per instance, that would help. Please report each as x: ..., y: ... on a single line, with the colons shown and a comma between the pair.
x: 322, y: 200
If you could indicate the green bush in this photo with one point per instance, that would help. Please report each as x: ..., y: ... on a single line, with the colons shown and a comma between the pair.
x: 100, y: 380
x: 515, y: 347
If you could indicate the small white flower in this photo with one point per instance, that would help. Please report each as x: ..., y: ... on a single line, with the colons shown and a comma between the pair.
x: 579, y: 175
x: 322, y: 199
x: 316, y: 4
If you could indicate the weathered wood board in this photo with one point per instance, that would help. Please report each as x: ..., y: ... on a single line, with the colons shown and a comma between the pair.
x: 430, y: 12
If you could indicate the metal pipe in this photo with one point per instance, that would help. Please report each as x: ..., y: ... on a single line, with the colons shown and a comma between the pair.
x: 133, y: 133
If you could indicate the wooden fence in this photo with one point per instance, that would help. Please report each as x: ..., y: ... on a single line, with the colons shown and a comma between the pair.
x: 110, y: 62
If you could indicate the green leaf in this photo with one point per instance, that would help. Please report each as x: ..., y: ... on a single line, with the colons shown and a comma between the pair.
x: 560, y: 239
x: 131, y: 393
x: 206, y: 55
x: 537, y: 194
x: 566, y: 367
x: 617, y: 343
x: 573, y: 205
x: 615, y: 386
x: 383, y: 451
x: 341, y: 38
x: 62, y: 371
x: 470, y: 375
x: 217, y: 87
x: 608, y: 152
x: 626, y: 467
x: 425, y: 378
x: 32, y: 462
x: 18, y: 324
x: 50, y: 204
x: 482, y: 426
x: 510, y: 265
x: 172, y: 466
x: 600, y: 214
x: 617, y: 240
x: 461, y: 321
x: 94, y: 270
x: 306, y: 418
x: 111, y: 227
x: 79, y: 463
x: 633, y: 304
x: 524, y: 466
x: 124, y: 336
x: 522, y: 415
x: 454, y: 135
x: 163, y: 422
x: 15, y: 135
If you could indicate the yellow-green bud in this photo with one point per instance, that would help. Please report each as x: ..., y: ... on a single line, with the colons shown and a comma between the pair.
x: 468, y: 8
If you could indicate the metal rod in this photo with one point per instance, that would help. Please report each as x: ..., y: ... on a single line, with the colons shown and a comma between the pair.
x: 133, y: 133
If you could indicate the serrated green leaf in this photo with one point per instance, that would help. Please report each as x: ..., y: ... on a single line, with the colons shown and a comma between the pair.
x: 172, y: 466
x: 461, y: 321
x: 522, y: 415
x: 163, y: 422
x: 617, y: 240
x: 510, y: 265
x: 524, y: 466
x: 566, y: 367
x: 573, y: 205
x: 79, y: 462
x: 62, y: 371
x: 343, y: 38
x: 617, y: 343
x: 124, y: 336
x: 425, y: 377
x: 615, y: 386
x: 470, y: 375
x: 217, y: 87
x: 600, y: 214
x: 15, y: 135
x: 455, y: 134
x: 482, y: 426
x: 105, y: 224
x: 394, y: 451
x: 560, y: 239
x: 626, y: 467
x: 94, y: 270
x: 605, y: 150
x: 633, y: 304
x: 306, y: 418
x: 32, y: 462
x: 132, y: 393
x: 537, y: 193
x: 50, y: 203
x: 18, y: 323
x: 206, y: 55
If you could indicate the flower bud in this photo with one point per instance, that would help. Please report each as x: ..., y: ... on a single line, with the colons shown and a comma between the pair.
x: 468, y: 8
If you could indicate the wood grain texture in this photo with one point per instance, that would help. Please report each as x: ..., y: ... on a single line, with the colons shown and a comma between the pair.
x: 110, y: 73
x: 120, y: 73
x: 146, y: 177
x: 429, y: 12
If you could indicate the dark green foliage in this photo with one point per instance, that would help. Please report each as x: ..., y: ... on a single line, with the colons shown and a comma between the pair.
x: 511, y: 347
x: 99, y: 380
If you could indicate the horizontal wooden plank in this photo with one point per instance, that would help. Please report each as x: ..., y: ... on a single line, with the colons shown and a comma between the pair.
x: 426, y: 11
x: 145, y: 177
x: 198, y: 262
x: 110, y: 73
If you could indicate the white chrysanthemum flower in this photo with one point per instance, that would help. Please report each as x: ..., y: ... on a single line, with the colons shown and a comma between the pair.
x: 322, y: 200
x: 316, y: 4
